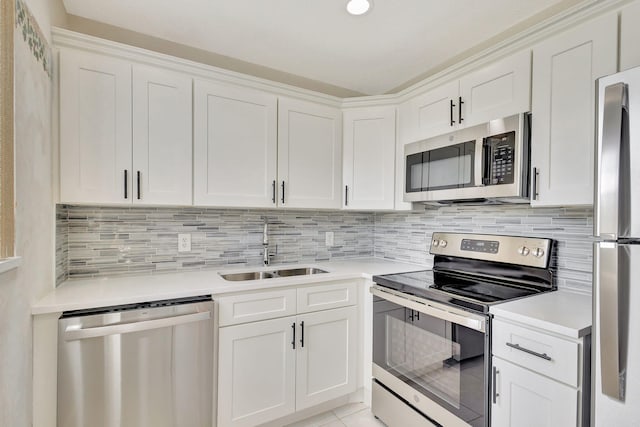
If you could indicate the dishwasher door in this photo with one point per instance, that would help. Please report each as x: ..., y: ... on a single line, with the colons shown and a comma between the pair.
x: 140, y: 365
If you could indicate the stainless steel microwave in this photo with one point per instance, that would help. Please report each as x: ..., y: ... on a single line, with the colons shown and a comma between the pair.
x: 487, y: 163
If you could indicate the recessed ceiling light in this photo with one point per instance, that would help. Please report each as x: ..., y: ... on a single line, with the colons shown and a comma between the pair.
x: 358, y: 7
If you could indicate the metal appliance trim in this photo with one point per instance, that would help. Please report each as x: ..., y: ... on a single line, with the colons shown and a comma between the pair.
x: 394, y: 411
x: 418, y: 400
x: 431, y: 308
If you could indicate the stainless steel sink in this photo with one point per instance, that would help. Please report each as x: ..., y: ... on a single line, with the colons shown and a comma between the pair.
x: 260, y: 275
x: 299, y: 272
x: 252, y: 275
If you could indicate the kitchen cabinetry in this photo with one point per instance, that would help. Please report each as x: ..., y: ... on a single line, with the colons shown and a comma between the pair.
x: 495, y: 91
x: 629, y: 36
x: 235, y: 146
x: 539, y: 377
x: 369, y: 158
x: 309, y: 155
x: 274, y: 366
x: 565, y: 68
x: 125, y: 132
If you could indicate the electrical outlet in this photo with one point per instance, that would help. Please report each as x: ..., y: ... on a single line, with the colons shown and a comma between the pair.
x: 184, y: 242
x: 328, y: 238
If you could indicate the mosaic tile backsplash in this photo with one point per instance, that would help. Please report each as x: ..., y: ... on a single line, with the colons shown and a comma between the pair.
x: 105, y: 241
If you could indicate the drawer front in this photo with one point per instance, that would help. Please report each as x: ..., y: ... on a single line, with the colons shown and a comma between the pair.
x: 549, y: 355
x: 256, y: 306
x: 324, y: 297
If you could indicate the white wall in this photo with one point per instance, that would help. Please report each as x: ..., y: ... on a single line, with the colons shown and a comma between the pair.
x: 34, y: 223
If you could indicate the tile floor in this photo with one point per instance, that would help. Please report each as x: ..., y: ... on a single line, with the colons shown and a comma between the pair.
x: 350, y: 415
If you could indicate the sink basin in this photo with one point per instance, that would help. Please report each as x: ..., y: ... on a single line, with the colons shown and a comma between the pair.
x: 299, y: 272
x: 253, y: 275
x: 259, y: 275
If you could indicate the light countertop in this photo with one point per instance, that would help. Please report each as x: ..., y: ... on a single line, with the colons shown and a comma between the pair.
x: 563, y: 312
x: 75, y: 294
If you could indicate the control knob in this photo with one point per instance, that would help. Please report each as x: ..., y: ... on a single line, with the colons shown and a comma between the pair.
x: 435, y: 243
x: 523, y: 250
x: 443, y: 243
x: 538, y: 252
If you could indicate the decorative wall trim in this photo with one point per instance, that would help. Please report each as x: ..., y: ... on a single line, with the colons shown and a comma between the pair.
x: 33, y: 36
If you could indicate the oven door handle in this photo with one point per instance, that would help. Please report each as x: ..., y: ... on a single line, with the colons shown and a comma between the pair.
x: 470, y: 321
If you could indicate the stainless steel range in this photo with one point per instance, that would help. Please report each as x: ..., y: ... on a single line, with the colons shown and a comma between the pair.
x: 432, y: 329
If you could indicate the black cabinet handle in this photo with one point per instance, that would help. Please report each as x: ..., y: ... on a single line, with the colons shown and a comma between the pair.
x: 273, y: 189
x: 138, y: 185
x: 346, y: 195
x: 126, y: 184
x: 451, y: 107
x: 302, y: 334
x: 293, y: 340
x: 282, y: 198
x: 460, y: 102
x: 544, y: 356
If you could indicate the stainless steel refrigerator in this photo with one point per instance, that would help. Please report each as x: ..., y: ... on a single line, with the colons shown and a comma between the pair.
x: 616, y: 307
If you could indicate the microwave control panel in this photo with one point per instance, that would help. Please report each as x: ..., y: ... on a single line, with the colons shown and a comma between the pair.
x: 499, y: 159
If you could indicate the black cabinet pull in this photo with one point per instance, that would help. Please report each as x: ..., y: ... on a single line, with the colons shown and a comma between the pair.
x: 451, y: 107
x: 346, y: 195
x: 302, y: 334
x: 282, y: 198
x: 273, y: 190
x: 460, y: 102
x: 126, y: 184
x: 138, y: 184
x: 293, y: 340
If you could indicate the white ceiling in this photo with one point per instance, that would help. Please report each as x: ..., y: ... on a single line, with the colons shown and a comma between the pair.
x: 316, y: 39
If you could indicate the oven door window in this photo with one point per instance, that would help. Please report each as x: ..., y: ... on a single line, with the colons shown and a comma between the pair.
x: 441, y: 360
x: 441, y: 168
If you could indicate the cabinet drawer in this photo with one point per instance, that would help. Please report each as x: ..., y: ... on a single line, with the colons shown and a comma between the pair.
x: 323, y: 297
x: 549, y: 355
x: 256, y: 306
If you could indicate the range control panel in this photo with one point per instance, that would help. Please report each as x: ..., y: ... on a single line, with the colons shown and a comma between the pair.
x: 529, y: 251
x: 487, y: 246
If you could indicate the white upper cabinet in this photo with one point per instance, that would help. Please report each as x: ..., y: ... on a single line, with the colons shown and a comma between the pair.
x: 309, y: 155
x: 162, y: 137
x: 235, y: 146
x: 629, y: 36
x: 495, y: 91
x: 125, y: 132
x: 498, y: 90
x: 369, y: 158
x: 565, y: 69
x: 95, y: 129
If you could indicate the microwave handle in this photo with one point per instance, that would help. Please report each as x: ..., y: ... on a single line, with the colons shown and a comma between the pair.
x: 486, y: 163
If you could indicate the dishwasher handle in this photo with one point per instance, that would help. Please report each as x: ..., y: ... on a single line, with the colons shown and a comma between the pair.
x: 74, y: 333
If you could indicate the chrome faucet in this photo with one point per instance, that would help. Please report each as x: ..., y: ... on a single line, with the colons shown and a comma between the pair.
x: 265, y: 242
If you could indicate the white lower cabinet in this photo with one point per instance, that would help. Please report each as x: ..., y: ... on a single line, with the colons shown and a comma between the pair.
x: 271, y: 368
x: 539, y: 378
x: 523, y: 398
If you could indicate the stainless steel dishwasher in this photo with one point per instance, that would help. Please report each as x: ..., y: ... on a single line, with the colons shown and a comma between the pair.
x: 137, y: 365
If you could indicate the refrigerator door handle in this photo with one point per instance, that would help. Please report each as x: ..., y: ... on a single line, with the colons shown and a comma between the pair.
x: 612, y: 331
x: 609, y: 173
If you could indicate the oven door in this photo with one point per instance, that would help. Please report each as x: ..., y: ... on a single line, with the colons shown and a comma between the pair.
x: 434, y: 357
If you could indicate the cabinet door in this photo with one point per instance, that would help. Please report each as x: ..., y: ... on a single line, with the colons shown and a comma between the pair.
x: 256, y: 372
x: 162, y: 141
x: 496, y: 91
x: 430, y: 114
x: 369, y: 158
x: 526, y: 399
x: 235, y: 146
x: 95, y: 129
x: 326, y: 359
x: 629, y: 36
x: 309, y: 155
x: 563, y: 110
